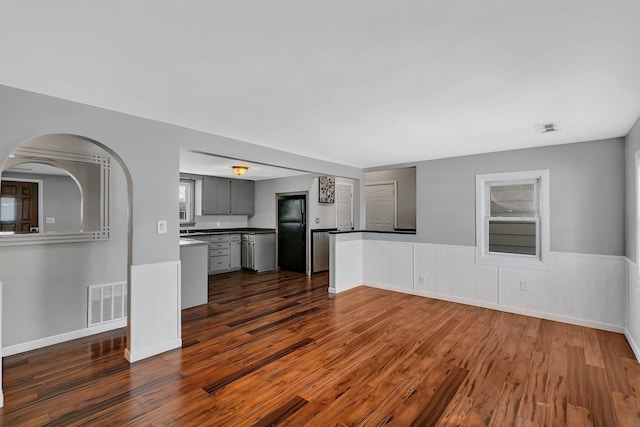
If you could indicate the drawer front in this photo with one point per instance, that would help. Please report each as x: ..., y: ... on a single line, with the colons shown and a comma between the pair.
x: 219, y: 262
x: 221, y: 238
x: 223, y: 245
x: 234, y: 237
x: 218, y: 252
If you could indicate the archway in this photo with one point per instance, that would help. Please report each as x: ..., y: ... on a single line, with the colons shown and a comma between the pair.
x: 80, y: 260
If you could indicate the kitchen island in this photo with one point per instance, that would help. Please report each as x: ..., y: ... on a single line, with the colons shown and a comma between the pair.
x: 193, y: 273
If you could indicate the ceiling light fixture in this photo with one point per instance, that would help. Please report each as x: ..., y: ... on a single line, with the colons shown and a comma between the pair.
x: 239, y: 170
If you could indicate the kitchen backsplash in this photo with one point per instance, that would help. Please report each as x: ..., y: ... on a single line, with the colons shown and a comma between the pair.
x: 220, y: 221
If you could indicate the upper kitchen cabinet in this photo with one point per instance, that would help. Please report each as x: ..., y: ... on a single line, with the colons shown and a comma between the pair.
x: 216, y: 196
x: 225, y: 196
x: 242, y: 197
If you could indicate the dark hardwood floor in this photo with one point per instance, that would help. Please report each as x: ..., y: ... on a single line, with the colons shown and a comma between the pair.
x: 277, y: 349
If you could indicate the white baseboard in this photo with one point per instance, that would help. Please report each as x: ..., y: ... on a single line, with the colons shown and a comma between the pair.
x: 152, y: 351
x: 60, y: 338
x: 516, y: 310
x: 332, y: 290
x: 632, y: 344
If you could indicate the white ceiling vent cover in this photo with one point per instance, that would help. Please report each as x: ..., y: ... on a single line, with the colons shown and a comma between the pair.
x: 547, y: 127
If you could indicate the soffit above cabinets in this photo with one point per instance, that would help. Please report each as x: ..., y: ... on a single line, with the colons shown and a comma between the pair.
x: 206, y: 164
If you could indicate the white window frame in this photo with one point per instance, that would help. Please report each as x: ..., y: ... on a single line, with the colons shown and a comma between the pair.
x: 542, y: 259
x: 191, y: 217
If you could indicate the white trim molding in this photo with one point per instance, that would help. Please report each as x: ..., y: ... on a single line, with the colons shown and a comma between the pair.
x: 542, y: 259
x: 60, y: 338
x: 632, y: 324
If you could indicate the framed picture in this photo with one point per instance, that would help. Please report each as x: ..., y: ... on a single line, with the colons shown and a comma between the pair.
x: 327, y: 193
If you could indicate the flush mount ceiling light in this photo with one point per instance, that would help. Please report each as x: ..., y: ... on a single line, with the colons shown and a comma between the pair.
x: 547, y: 127
x: 239, y: 170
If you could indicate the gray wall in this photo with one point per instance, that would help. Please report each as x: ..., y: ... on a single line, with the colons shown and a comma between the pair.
x: 45, y: 286
x: 632, y: 145
x: 406, y: 182
x: 57, y: 274
x: 61, y: 200
x: 587, y: 194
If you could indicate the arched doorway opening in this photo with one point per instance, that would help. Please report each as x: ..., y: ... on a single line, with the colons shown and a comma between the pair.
x: 83, y: 238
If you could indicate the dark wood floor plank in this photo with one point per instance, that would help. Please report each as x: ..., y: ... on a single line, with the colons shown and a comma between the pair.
x: 431, y: 413
x: 216, y: 385
x: 276, y: 348
x: 279, y: 414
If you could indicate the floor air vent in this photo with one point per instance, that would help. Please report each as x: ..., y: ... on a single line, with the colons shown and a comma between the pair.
x: 107, y: 303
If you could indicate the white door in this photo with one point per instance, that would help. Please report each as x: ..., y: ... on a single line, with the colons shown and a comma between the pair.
x: 344, y: 206
x: 381, y: 206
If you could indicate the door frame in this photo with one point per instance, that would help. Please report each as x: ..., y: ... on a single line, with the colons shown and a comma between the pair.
x: 307, y: 232
x: 395, y: 200
x: 40, y: 197
x: 344, y: 184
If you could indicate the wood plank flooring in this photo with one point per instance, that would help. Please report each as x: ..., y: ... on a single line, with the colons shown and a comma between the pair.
x: 276, y: 349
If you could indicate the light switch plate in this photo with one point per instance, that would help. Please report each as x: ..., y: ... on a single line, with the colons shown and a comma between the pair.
x: 162, y: 226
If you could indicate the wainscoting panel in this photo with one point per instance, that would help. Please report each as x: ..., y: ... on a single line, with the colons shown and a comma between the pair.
x: 346, y: 265
x: 615, y: 279
x: 388, y: 263
x: 632, y: 331
x: 1, y: 352
x: 451, y: 270
x: 583, y: 289
x: 155, y: 309
x: 579, y: 286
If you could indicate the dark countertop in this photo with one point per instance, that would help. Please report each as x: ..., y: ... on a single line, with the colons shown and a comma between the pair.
x: 209, y: 231
x: 375, y: 231
x: 191, y: 242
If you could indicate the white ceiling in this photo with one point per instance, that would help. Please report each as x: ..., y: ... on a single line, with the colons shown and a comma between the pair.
x: 360, y: 82
x: 205, y: 164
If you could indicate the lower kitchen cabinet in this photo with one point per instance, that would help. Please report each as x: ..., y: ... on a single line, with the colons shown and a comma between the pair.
x: 259, y: 251
x: 233, y: 251
x: 235, y: 256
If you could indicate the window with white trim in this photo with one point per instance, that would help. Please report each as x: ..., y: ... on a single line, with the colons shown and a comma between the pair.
x: 512, y: 219
x: 186, y: 201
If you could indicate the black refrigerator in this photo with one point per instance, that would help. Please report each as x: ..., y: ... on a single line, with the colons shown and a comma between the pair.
x: 292, y: 234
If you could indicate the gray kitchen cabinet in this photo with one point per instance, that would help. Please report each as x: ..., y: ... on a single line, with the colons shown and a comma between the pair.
x: 242, y: 197
x: 194, y: 261
x: 216, y: 196
x: 224, y: 196
x: 219, y: 254
x: 258, y: 251
x: 234, y: 252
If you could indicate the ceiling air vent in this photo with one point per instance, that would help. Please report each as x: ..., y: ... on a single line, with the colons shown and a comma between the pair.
x: 547, y: 127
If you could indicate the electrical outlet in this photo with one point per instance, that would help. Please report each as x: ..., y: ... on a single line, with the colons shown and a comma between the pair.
x: 50, y: 220
x: 421, y: 280
x: 317, y: 220
x: 523, y: 285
